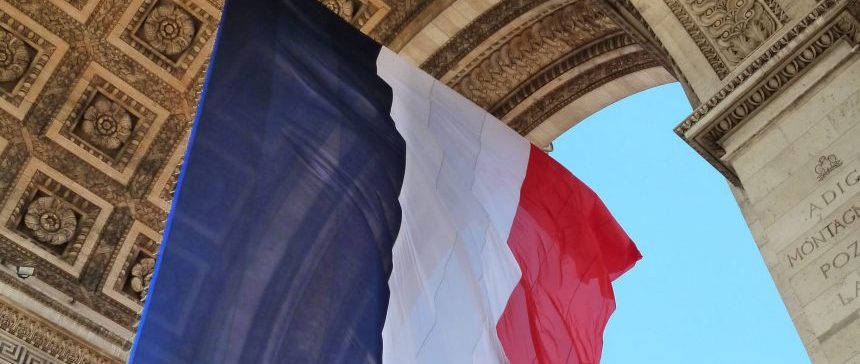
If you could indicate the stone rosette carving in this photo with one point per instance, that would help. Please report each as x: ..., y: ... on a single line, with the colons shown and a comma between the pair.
x: 46, y: 83
x: 54, y: 218
x: 170, y: 38
x: 169, y: 29
x: 29, y: 54
x: 141, y: 275
x: 14, y: 58
x: 106, y: 124
x: 110, y: 125
x: 51, y: 220
x: 344, y: 8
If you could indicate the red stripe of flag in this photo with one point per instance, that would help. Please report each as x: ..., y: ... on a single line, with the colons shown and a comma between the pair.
x: 569, y: 249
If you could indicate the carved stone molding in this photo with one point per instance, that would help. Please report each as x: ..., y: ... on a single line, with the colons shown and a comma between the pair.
x: 727, y: 31
x: 67, y: 312
x: 490, y: 77
x: 475, y: 33
x: 402, y: 13
x: 79, y: 10
x: 558, y: 68
x: 574, y: 88
x: 50, y: 341
x: 707, y: 139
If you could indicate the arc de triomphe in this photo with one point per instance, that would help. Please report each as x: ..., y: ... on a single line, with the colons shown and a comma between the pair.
x: 774, y: 84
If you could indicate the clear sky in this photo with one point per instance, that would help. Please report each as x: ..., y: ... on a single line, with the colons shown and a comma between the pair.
x: 702, y: 293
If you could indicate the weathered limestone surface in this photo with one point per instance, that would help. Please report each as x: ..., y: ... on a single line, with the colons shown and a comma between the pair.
x: 788, y: 139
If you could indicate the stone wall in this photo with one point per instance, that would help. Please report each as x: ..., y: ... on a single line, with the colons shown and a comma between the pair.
x: 787, y: 135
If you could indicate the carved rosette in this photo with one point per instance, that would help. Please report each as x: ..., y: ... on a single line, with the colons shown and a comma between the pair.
x: 106, y: 124
x: 51, y: 221
x: 169, y: 29
x: 141, y: 275
x: 14, y: 58
x: 344, y: 8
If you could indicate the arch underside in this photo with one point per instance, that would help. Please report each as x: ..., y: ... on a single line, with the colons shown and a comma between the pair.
x: 541, y: 66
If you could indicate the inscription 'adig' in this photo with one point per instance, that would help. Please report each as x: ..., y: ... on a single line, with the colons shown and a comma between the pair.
x: 833, y: 193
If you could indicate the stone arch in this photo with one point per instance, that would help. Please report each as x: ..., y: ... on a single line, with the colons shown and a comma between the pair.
x: 540, y: 66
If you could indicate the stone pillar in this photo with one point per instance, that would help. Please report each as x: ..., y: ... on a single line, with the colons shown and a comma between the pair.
x: 785, y: 129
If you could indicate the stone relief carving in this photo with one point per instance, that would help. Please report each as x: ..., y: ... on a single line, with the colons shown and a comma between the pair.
x: 90, y: 112
x: 827, y: 164
x: 141, y: 275
x: 50, y: 220
x: 169, y: 29
x: 532, y: 49
x: 15, y: 57
x: 736, y: 27
x: 53, y: 217
x: 106, y: 124
x: 444, y: 59
x: 574, y: 88
x: 558, y: 68
x: 13, y: 351
x: 707, y: 141
x: 727, y: 31
x: 44, y: 338
x: 363, y: 14
x: 28, y: 54
x: 344, y: 8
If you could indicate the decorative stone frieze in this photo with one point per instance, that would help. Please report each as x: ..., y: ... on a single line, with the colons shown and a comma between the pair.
x: 574, y: 88
x: 727, y: 31
x: 445, y: 58
x: 26, y: 340
x: 558, y: 68
x: 490, y: 77
x: 706, y: 140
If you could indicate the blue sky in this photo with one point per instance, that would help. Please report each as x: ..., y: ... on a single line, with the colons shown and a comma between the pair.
x: 702, y: 293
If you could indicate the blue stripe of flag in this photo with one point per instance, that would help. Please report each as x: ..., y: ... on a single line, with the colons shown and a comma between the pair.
x: 278, y: 247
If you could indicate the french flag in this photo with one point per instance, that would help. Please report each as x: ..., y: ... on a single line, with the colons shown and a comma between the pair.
x: 338, y: 205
